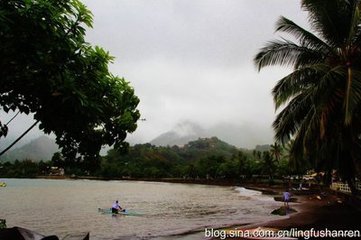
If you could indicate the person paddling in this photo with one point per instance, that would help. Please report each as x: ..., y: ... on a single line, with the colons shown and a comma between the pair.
x: 116, y: 207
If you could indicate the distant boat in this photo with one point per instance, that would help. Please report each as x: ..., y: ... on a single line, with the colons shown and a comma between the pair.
x: 2, y: 184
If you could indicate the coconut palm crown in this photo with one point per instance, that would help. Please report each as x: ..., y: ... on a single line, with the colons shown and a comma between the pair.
x: 321, y: 97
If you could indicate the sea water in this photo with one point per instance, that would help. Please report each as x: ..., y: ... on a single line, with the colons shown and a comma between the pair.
x: 166, y: 210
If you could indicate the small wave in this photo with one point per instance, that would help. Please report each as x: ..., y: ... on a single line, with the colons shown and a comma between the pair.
x: 244, y: 192
x: 247, y: 192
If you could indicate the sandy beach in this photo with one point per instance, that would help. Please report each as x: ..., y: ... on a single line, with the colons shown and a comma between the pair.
x: 317, y: 211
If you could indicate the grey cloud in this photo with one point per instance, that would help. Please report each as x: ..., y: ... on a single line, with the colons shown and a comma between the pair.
x: 210, y: 32
x: 192, y: 59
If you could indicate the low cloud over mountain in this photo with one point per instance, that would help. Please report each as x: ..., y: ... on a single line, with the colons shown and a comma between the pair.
x: 243, y: 136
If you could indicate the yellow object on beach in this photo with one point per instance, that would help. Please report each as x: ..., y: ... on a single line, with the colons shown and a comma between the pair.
x: 2, y: 184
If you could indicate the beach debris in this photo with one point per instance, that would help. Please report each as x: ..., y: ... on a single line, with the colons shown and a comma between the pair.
x: 283, y: 211
x: 79, y: 236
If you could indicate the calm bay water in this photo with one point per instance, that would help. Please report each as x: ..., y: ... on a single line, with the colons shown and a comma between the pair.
x: 61, y: 207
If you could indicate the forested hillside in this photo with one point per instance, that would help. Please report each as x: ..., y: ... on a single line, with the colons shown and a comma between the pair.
x: 203, y: 158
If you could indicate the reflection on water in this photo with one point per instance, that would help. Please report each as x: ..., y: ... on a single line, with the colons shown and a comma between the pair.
x: 61, y: 207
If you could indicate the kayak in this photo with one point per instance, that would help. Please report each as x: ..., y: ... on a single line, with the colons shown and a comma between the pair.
x: 2, y: 184
x: 124, y: 212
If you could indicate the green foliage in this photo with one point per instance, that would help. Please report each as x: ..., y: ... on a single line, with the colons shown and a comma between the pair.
x: 23, y: 169
x: 207, y: 158
x: 57, y: 160
x: 44, y: 167
x: 322, y: 96
x: 48, y: 69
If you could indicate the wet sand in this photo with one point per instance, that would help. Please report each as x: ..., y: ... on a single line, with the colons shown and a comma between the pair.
x: 318, y: 211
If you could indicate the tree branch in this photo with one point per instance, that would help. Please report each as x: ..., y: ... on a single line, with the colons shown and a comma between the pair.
x: 18, y: 139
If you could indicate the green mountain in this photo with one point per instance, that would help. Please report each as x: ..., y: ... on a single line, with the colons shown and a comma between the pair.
x: 205, y: 147
x: 204, y: 158
x: 41, y: 148
x: 180, y: 135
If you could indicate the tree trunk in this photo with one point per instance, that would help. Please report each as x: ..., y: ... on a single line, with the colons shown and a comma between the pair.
x: 347, y: 155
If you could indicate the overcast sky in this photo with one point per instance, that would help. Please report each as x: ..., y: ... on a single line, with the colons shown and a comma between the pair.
x: 192, y: 60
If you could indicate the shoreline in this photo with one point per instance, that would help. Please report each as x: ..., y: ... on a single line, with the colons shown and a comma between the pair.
x: 307, y: 207
x: 317, y: 211
x: 217, y: 182
x: 265, y: 188
x: 326, y: 210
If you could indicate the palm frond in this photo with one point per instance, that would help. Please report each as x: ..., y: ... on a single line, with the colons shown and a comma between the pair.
x: 297, y: 81
x: 299, y: 148
x: 356, y: 39
x: 288, y: 121
x: 354, y: 22
x: 306, y: 38
x: 353, y: 95
x: 331, y: 19
x: 286, y: 53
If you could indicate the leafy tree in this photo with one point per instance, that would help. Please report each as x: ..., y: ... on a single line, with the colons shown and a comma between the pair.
x: 296, y: 165
x: 110, y: 170
x: 229, y: 169
x: 44, y: 167
x: 57, y: 160
x: 49, y: 70
x: 208, y: 167
x: 322, y: 95
x: 25, y: 168
x: 243, y: 163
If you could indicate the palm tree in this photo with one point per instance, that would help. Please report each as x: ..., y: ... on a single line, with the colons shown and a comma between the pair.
x: 268, y: 165
x: 276, y: 151
x: 322, y: 96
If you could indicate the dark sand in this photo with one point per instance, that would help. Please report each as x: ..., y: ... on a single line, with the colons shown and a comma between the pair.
x: 318, y: 211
